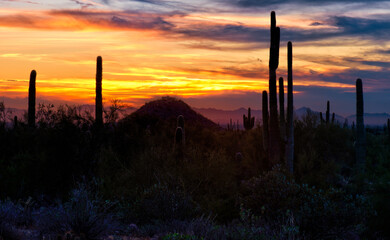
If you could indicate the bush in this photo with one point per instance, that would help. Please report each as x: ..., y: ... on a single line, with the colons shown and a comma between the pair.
x: 178, y: 236
x: 159, y: 203
x: 10, y: 216
x: 319, y: 214
x: 83, y: 215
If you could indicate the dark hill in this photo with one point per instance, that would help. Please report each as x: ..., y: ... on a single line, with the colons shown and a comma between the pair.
x: 168, y: 109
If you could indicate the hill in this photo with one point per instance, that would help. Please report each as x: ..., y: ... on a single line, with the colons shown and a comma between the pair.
x: 168, y: 109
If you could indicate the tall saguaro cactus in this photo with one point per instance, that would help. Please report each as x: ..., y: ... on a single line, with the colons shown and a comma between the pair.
x: 99, y: 98
x: 290, y: 109
x: 31, y: 99
x: 274, y: 132
x: 282, y: 120
x: 249, y: 121
x: 265, y: 121
x: 361, y: 134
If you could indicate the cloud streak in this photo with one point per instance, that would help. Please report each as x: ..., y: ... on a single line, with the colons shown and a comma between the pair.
x: 177, y: 24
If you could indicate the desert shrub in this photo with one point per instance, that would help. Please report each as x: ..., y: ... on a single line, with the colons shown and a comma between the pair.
x: 10, y: 217
x: 159, y: 203
x: 322, y: 152
x: 319, y: 214
x: 201, y: 227
x: 19, y: 214
x: 178, y: 236
x: 85, y: 214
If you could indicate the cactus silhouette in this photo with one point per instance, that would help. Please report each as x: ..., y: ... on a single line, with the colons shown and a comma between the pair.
x: 361, y: 135
x: 265, y: 121
x: 282, y: 120
x: 290, y: 113
x: 15, y: 121
x: 249, y: 121
x: 180, y: 123
x: 327, y: 112
x: 345, y: 125
x: 179, y: 141
x: 274, y: 132
x: 230, y: 125
x: 333, y: 118
x: 99, y: 99
x: 321, y: 118
x: 31, y: 99
x: 388, y: 128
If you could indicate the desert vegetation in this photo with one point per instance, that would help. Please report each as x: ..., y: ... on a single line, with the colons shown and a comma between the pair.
x: 166, y: 172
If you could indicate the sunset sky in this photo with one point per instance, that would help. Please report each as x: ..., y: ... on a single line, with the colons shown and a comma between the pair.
x: 211, y: 53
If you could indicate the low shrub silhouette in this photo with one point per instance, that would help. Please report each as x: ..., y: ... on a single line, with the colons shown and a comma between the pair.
x: 319, y: 214
x: 84, y: 215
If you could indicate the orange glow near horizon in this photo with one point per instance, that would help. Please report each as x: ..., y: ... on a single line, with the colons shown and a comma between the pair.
x: 142, y: 60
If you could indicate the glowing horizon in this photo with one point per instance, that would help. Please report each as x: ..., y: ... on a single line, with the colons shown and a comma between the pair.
x: 156, y: 48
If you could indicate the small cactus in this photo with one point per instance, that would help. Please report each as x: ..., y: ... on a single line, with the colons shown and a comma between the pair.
x: 15, y: 121
x: 388, y: 128
x: 179, y: 139
x: 345, y: 123
x: 282, y: 120
x: 321, y: 118
x: 230, y: 125
x: 249, y: 121
x: 180, y: 123
x: 265, y: 121
x: 238, y: 157
x: 327, y: 112
x: 31, y: 99
x: 333, y: 118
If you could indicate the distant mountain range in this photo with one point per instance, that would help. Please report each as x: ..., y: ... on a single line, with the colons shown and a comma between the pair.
x: 222, y: 117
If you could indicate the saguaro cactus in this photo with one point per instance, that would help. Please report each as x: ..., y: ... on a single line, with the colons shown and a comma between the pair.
x: 282, y: 120
x: 265, y: 121
x: 99, y: 98
x: 31, y: 99
x: 180, y: 123
x: 179, y: 137
x: 274, y: 132
x: 178, y: 147
x: 361, y: 134
x: 388, y: 127
x: 290, y: 113
x: 249, y: 121
x: 15, y: 121
x: 327, y: 112
x: 333, y: 118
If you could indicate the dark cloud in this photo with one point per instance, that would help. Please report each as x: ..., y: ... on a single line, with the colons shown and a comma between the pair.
x: 22, y: 1
x: 316, y: 24
x: 154, y: 23
x: 362, y: 26
x: 83, y: 5
x: 218, y: 47
x: 267, y: 3
x: 375, y: 29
